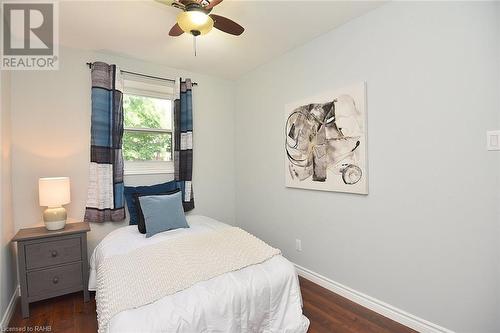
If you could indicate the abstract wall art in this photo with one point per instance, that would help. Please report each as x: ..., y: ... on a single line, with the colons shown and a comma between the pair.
x: 325, y: 141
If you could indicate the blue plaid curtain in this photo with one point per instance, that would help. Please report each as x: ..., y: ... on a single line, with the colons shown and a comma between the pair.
x: 183, y: 142
x: 105, y: 200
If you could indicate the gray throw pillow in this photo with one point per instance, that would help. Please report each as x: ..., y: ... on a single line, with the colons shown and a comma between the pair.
x: 162, y: 213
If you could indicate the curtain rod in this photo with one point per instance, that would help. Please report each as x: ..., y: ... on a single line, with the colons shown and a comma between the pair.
x: 89, y: 64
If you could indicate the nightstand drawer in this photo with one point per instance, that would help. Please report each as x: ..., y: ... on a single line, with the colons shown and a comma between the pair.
x: 53, y: 253
x: 51, y: 280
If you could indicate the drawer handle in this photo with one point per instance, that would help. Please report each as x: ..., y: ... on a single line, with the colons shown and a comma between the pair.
x: 55, y: 280
x: 54, y: 253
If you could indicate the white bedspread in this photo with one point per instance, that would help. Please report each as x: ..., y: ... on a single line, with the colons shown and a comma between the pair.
x: 259, y: 298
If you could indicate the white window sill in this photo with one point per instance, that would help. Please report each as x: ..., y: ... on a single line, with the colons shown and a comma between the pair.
x: 151, y: 172
x: 148, y: 168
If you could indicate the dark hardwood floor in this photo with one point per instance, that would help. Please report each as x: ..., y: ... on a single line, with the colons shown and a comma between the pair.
x: 331, y: 313
x: 328, y: 313
x: 64, y: 314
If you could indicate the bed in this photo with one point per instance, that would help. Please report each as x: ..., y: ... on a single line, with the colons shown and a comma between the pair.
x: 264, y: 297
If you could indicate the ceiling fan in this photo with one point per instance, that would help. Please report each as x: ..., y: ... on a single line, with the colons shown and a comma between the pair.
x: 196, y: 19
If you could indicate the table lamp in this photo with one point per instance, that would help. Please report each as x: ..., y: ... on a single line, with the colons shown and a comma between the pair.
x: 54, y: 192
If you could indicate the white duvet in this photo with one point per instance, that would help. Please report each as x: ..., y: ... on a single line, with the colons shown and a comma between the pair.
x: 259, y: 298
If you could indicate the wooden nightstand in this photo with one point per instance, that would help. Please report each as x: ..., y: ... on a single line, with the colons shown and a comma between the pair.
x: 52, y: 263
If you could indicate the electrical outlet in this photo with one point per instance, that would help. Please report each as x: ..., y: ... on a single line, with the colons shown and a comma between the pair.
x: 298, y: 245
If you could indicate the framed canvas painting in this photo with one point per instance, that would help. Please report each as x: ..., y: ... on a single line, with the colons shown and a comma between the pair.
x: 325, y: 141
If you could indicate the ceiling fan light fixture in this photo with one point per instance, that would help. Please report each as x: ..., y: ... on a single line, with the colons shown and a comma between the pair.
x: 195, y: 22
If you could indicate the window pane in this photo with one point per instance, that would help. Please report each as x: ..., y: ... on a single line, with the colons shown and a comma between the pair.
x: 147, y: 112
x: 147, y: 146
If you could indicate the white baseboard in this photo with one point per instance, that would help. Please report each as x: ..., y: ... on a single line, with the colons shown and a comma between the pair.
x: 387, y: 310
x: 9, y: 311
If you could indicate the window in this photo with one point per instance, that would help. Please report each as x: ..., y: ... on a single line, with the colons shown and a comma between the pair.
x: 148, y: 125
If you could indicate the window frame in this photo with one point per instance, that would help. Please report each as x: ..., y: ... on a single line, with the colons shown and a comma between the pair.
x: 151, y: 167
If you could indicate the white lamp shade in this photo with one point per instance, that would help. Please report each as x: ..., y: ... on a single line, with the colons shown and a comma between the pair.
x: 54, y: 191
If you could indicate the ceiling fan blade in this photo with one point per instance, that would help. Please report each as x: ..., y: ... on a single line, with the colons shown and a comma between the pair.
x: 166, y: 2
x: 173, y: 3
x: 175, y: 31
x: 212, y: 4
x: 224, y: 24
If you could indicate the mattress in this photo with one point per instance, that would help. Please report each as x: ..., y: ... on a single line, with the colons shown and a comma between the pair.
x: 259, y: 298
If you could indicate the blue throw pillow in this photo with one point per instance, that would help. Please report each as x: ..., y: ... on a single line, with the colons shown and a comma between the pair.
x: 141, y: 224
x: 129, y: 192
x: 162, y: 213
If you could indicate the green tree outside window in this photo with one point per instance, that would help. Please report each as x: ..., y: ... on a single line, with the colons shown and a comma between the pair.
x: 142, y: 112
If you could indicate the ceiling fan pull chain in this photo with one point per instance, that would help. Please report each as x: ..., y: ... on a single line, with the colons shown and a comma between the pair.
x: 194, y: 45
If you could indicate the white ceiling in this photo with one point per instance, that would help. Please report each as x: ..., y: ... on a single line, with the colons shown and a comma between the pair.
x: 139, y: 29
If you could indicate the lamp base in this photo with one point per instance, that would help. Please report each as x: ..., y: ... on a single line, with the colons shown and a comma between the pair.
x: 54, y: 218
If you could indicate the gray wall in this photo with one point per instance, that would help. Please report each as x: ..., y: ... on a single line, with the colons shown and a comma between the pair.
x: 7, y: 268
x: 426, y: 237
